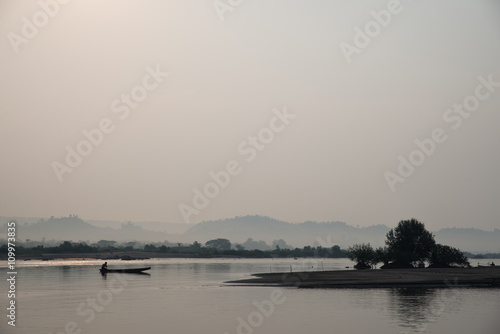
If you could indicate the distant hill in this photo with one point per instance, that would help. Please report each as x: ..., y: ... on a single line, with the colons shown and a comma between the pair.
x: 470, y: 239
x: 171, y: 228
x: 73, y: 228
x: 238, y: 230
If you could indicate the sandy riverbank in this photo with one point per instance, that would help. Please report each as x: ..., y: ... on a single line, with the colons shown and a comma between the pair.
x: 377, y: 278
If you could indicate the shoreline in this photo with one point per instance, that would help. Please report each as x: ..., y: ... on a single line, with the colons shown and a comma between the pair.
x: 484, y: 277
x: 125, y: 255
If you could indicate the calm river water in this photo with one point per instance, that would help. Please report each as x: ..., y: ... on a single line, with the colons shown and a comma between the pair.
x: 189, y: 296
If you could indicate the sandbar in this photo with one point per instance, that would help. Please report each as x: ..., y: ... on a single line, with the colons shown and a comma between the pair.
x: 380, y: 278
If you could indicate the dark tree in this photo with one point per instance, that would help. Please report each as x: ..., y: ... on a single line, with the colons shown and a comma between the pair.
x: 410, y: 242
x: 150, y: 248
x: 106, y: 243
x: 382, y: 255
x: 362, y: 254
x: 443, y: 256
x: 219, y: 244
x: 66, y: 246
x: 337, y: 252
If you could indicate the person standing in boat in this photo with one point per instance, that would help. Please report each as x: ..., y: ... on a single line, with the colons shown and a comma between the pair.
x: 104, y: 266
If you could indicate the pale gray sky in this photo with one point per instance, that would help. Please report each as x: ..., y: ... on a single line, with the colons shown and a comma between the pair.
x: 353, y: 115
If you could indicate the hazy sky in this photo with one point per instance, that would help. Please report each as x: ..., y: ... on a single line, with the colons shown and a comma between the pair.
x: 350, y: 108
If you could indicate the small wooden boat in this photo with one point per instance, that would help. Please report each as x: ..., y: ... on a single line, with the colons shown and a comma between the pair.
x: 489, y: 265
x: 124, y: 271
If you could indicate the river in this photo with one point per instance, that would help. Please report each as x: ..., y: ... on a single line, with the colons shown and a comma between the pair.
x: 189, y: 296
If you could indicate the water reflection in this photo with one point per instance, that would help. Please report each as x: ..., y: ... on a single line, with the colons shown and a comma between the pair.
x: 416, y: 308
x: 178, y: 290
x: 105, y: 275
x: 411, y: 306
x: 68, y: 273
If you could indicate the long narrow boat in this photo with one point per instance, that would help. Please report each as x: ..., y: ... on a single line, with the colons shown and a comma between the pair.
x: 127, y: 271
